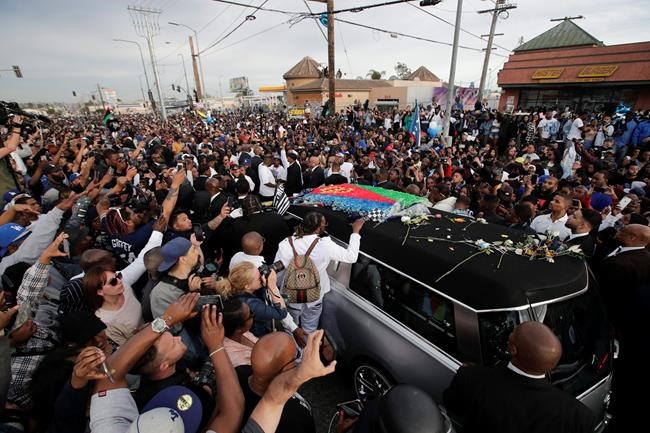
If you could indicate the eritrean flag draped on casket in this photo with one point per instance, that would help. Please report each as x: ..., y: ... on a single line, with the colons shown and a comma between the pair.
x: 365, y: 200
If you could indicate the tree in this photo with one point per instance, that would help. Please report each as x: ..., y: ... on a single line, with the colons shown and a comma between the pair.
x: 402, y: 70
x: 375, y: 75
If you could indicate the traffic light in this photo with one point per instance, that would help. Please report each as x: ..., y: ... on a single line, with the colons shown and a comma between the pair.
x: 178, y: 89
x: 93, y: 96
x: 429, y: 2
x: 173, y: 87
x: 74, y: 93
x: 196, y: 96
x: 17, y: 71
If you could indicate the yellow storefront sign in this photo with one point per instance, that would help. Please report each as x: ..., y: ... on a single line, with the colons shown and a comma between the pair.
x: 296, y: 113
x: 547, y: 73
x: 594, y: 71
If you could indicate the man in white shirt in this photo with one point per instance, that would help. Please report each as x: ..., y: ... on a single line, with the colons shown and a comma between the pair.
x: 278, y: 169
x: 345, y: 167
x: 548, y: 126
x: 314, y: 224
x: 576, y: 127
x: 267, y: 180
x: 554, y: 222
x: 252, y: 244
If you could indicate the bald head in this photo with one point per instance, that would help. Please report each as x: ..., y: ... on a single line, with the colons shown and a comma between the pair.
x: 270, y: 355
x: 534, y: 348
x: 634, y: 235
x: 252, y: 243
x: 212, y: 185
x: 92, y: 257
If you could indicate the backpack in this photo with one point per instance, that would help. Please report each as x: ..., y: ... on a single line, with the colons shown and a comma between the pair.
x: 301, y: 279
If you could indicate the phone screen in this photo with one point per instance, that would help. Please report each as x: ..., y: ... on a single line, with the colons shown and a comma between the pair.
x: 198, y: 232
x: 625, y: 201
x: 209, y: 300
x: 351, y: 408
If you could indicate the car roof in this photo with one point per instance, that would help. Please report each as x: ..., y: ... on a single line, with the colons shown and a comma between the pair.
x: 477, y: 284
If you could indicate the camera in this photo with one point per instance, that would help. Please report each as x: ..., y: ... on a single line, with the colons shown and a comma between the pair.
x: 8, y: 109
x: 265, y: 270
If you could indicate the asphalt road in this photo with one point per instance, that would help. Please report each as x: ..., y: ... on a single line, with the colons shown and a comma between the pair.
x: 324, y: 393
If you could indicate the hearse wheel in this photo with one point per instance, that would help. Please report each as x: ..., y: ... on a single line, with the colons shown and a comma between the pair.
x: 370, y: 381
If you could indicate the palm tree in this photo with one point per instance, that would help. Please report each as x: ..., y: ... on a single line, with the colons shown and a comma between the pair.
x: 375, y: 75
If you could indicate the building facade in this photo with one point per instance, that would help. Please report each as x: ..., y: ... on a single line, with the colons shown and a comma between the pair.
x: 305, y: 82
x: 567, y: 67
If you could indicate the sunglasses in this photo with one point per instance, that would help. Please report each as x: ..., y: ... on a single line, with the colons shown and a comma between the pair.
x: 115, y: 280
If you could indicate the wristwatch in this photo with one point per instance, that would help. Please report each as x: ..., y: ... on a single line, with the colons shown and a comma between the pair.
x: 159, y: 325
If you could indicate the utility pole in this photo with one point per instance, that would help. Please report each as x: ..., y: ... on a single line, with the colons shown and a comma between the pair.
x: 146, y: 26
x: 331, y: 68
x: 195, y: 66
x: 499, y: 7
x: 198, y: 51
x: 101, y: 97
x: 452, y: 74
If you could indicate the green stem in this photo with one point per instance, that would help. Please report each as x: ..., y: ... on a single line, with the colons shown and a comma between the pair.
x: 459, y: 265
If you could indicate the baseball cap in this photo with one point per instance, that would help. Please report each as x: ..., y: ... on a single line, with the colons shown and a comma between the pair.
x: 172, y: 251
x: 9, y: 234
x: 158, y: 420
x: 175, y: 401
x: 9, y: 195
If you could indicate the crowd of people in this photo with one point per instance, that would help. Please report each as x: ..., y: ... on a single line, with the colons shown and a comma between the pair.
x: 111, y: 228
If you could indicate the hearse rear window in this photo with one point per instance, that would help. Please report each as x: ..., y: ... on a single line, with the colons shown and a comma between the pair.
x: 423, y: 311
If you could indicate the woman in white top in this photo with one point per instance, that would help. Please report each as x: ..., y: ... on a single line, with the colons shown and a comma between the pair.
x: 112, y: 301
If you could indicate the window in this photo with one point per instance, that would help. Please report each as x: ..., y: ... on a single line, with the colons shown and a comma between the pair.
x: 423, y: 311
x: 580, y: 325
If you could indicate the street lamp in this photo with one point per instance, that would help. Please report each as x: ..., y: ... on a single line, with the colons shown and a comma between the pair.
x: 144, y: 67
x: 198, y: 51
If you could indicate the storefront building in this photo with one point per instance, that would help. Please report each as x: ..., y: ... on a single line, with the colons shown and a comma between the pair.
x: 567, y: 67
x: 305, y: 83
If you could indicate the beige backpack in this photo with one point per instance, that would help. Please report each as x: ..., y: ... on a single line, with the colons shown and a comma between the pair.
x: 301, y: 279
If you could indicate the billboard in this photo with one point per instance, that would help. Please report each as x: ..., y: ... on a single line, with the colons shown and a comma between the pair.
x: 466, y: 96
x: 238, y: 84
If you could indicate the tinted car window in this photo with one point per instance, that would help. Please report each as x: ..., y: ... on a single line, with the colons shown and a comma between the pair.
x: 420, y: 309
x: 581, y: 327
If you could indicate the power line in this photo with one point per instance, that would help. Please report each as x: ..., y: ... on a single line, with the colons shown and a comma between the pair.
x: 316, y: 21
x: 257, y: 8
x: 212, y: 20
x: 248, y: 37
x: 250, y: 17
x: 452, y: 24
x: 449, y: 44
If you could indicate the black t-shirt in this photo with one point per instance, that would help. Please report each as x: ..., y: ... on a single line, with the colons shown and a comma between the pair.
x: 296, y: 415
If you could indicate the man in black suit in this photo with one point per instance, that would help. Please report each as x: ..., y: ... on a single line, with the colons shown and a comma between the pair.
x: 624, y: 278
x: 316, y: 174
x: 584, y: 224
x: 293, y: 184
x: 336, y: 178
x: 518, y: 398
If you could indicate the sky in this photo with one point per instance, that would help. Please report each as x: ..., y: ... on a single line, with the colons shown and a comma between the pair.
x: 63, y: 46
